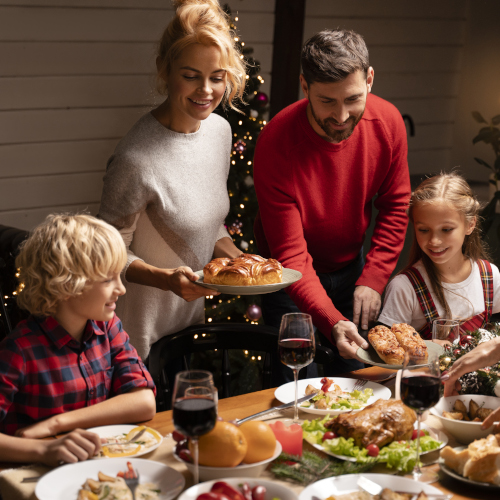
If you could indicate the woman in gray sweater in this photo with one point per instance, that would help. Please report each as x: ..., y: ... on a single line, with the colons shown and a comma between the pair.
x: 165, y: 187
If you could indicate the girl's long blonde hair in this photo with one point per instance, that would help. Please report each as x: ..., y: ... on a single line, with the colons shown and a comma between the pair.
x: 454, y: 190
x: 202, y: 21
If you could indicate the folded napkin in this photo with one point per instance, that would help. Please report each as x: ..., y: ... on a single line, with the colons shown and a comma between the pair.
x: 11, y: 487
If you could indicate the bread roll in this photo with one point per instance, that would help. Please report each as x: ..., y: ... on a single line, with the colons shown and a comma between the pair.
x: 386, y: 344
x: 410, y: 340
x: 245, y: 270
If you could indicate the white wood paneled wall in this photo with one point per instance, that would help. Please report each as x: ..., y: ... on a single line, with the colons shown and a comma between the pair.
x: 416, y: 51
x: 74, y: 77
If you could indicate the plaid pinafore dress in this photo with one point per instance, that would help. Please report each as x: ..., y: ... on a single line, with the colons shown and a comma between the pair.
x: 429, y: 309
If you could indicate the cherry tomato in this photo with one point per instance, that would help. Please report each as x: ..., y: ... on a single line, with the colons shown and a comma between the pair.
x: 328, y: 435
x: 247, y: 491
x: 228, y: 490
x: 373, y: 450
x: 186, y: 456
x: 258, y: 492
x: 178, y: 437
x: 414, y: 434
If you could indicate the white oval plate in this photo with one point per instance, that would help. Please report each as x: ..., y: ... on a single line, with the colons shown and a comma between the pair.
x: 64, y: 482
x: 289, y: 276
x: 348, y: 484
x: 286, y: 392
x: 109, y: 431
x: 435, y: 433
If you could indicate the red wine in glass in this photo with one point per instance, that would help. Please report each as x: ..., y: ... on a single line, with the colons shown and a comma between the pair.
x: 194, y: 416
x: 420, y: 392
x: 296, y: 353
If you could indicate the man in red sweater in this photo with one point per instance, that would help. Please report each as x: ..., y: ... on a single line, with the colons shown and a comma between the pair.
x: 318, y: 165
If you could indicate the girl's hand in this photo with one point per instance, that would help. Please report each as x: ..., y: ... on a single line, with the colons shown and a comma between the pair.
x: 74, y: 447
x: 181, y: 281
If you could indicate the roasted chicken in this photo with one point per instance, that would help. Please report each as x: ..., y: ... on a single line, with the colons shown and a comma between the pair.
x: 380, y: 423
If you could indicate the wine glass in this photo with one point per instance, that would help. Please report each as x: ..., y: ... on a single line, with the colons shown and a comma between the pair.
x: 447, y: 331
x: 420, y: 390
x: 194, y: 403
x: 296, y: 346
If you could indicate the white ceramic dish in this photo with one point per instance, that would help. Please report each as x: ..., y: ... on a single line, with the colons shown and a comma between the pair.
x: 371, y: 357
x: 289, y: 276
x: 273, y: 490
x: 348, y: 484
x: 464, y: 432
x: 456, y: 475
x: 64, y: 482
x: 286, y: 392
x: 243, y: 470
x: 109, y: 431
x: 435, y: 433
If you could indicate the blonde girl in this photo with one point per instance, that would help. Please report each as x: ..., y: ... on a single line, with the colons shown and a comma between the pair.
x: 448, y: 275
x: 165, y: 187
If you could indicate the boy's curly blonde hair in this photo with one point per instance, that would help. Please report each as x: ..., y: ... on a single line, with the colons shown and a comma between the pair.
x: 61, y: 258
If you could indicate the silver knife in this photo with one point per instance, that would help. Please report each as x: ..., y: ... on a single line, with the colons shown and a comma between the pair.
x: 277, y: 408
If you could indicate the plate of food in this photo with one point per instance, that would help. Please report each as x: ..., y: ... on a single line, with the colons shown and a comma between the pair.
x: 127, y: 440
x: 339, y: 397
x: 156, y: 481
x: 388, y: 346
x: 477, y: 463
x: 346, y: 487
x: 247, y: 274
x: 380, y: 433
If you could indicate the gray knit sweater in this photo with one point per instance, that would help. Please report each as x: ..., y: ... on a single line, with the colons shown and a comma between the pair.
x: 166, y: 192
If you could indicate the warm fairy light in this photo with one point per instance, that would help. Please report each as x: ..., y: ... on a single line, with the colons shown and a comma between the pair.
x: 228, y: 318
x: 203, y: 334
x: 234, y: 163
x: 236, y: 19
x: 246, y: 352
x: 239, y: 123
x: 235, y: 135
x: 241, y: 57
x: 259, y: 357
x: 236, y: 38
x: 209, y: 320
x: 253, y: 358
x: 264, y: 122
x: 251, y: 242
x: 196, y: 336
x: 250, y: 138
x: 242, y: 206
x: 247, y: 77
x: 241, y: 157
x: 249, y: 163
x: 242, y: 44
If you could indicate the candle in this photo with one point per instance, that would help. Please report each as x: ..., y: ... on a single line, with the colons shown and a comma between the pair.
x: 290, y: 437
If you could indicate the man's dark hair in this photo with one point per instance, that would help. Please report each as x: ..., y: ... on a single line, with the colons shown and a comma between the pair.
x: 332, y: 55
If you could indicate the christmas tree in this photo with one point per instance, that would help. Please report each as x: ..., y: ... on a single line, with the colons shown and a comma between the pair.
x: 246, y: 126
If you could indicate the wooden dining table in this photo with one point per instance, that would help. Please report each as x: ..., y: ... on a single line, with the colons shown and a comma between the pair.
x: 238, y: 407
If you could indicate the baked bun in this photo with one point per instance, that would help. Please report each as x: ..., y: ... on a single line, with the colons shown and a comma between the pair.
x: 245, y: 270
x: 410, y: 340
x: 386, y: 344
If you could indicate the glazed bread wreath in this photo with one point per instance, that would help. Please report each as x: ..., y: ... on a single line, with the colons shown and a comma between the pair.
x: 245, y: 270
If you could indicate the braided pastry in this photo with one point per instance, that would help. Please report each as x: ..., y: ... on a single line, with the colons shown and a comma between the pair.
x: 245, y: 270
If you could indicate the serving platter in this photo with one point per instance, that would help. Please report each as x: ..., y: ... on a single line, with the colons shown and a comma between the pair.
x: 289, y: 276
x: 371, y: 357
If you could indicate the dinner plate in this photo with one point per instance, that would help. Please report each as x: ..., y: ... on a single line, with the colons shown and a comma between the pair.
x: 64, y: 482
x: 109, y: 431
x: 286, y: 393
x: 289, y: 276
x: 371, y: 357
x: 456, y: 475
x: 434, y: 433
x: 348, y: 484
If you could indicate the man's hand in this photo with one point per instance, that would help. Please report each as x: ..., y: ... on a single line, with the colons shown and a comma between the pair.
x: 347, y: 339
x: 367, y: 303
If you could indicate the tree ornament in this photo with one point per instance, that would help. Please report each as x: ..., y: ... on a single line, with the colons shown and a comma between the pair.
x: 254, y: 113
x: 240, y: 146
x: 244, y: 245
x: 445, y: 362
x: 465, y: 340
x: 261, y: 99
x: 456, y: 352
x: 254, y: 312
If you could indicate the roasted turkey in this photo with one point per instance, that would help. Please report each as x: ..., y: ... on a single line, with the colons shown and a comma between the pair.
x: 380, y: 423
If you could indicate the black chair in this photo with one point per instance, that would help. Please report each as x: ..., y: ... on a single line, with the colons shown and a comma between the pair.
x: 216, y: 336
x: 10, y: 239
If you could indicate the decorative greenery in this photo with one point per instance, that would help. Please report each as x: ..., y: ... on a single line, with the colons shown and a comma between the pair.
x: 490, y: 135
x: 311, y: 467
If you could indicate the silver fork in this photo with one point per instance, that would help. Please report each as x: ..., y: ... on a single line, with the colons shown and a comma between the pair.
x: 132, y: 483
x: 359, y: 384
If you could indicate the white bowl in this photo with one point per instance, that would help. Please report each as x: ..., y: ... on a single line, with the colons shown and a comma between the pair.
x: 243, y: 470
x: 273, y: 490
x: 464, y: 432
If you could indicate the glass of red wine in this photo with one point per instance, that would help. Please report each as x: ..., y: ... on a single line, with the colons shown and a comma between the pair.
x: 296, y: 345
x: 194, y: 403
x: 421, y: 390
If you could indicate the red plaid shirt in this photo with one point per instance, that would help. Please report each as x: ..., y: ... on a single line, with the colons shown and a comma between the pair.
x: 45, y: 372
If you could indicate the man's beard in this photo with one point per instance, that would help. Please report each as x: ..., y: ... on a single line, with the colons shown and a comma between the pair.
x: 337, y: 135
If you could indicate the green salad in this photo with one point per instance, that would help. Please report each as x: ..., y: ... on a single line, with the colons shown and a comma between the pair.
x: 399, y: 455
x: 340, y: 401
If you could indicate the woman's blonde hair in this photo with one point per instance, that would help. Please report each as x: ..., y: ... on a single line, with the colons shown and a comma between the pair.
x: 454, y: 190
x: 61, y: 258
x: 201, y: 21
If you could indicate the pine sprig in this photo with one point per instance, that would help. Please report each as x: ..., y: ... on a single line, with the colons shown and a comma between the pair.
x: 311, y: 467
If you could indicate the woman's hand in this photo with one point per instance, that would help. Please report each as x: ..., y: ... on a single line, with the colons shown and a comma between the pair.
x: 76, y: 446
x: 181, y: 281
x: 42, y: 429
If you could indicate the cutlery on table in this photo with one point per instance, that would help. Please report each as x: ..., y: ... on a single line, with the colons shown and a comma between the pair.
x: 375, y: 489
x: 359, y: 384
x: 276, y: 408
x: 131, y: 440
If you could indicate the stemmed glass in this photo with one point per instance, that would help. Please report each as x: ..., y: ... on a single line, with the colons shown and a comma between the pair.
x: 420, y: 390
x: 447, y: 331
x: 194, y: 403
x: 296, y: 345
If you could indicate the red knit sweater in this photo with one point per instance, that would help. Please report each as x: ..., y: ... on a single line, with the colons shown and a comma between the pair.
x: 315, y: 200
